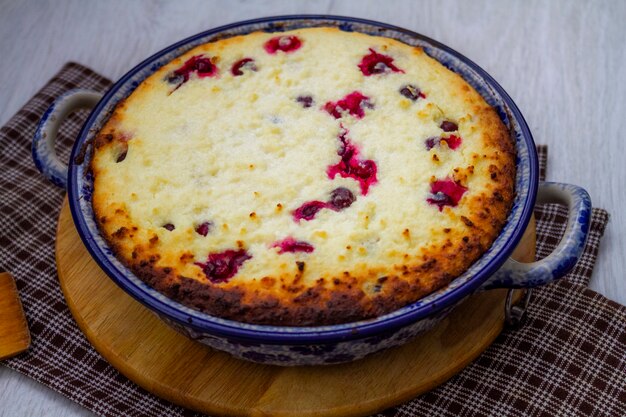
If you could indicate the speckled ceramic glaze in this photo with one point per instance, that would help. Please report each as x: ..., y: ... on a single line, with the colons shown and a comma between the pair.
x: 336, y: 343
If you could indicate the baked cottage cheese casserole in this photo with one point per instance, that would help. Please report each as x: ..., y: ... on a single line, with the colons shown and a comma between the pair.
x: 304, y: 178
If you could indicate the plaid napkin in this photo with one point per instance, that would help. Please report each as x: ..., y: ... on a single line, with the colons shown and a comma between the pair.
x: 568, y: 359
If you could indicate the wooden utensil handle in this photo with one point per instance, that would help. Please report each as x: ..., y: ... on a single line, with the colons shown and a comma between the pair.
x: 14, y: 334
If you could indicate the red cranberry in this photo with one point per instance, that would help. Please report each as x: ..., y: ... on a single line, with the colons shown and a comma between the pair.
x: 308, y: 210
x: 203, y: 229
x: 363, y: 169
x: 412, y: 92
x: 306, y: 101
x: 221, y: 266
x: 448, y: 126
x: 445, y: 193
x: 354, y: 103
x: 289, y: 244
x: 341, y: 198
x: 199, y: 64
x: 169, y: 226
x: 453, y: 141
x: 243, y: 64
x: 350, y: 166
x: 203, y: 66
x: 376, y: 63
x: 282, y: 43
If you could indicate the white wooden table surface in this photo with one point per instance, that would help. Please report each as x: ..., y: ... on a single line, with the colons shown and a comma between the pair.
x: 563, y: 62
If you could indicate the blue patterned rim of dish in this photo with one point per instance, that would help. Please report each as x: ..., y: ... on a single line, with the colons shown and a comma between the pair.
x: 80, y: 187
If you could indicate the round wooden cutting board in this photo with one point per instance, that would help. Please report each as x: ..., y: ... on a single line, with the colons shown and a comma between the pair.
x: 171, y: 366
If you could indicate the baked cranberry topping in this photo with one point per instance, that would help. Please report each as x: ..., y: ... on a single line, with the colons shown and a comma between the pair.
x: 199, y: 64
x: 282, y: 43
x: 412, y: 92
x: 445, y: 193
x: 341, y: 198
x: 376, y: 63
x: 203, y: 67
x: 448, y: 126
x: 308, y: 210
x: 203, y: 229
x: 351, y: 166
x: 243, y: 64
x: 221, y: 266
x: 432, y: 142
x: 289, y: 244
x: 453, y: 141
x: 169, y: 226
x: 306, y: 101
x: 354, y: 103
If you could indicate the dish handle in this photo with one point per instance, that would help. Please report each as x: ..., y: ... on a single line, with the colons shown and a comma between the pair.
x: 515, y: 274
x: 45, y: 157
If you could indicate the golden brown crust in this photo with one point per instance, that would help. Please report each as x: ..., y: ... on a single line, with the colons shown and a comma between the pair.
x: 366, y: 291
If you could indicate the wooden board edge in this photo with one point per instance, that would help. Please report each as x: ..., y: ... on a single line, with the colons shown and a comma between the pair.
x: 350, y: 411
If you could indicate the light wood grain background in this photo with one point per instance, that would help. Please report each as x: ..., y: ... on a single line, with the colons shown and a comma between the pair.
x: 563, y: 62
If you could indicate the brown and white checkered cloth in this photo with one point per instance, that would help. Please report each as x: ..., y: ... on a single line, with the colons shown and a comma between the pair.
x: 568, y: 359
